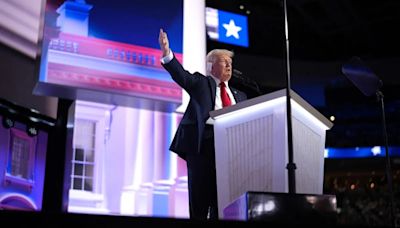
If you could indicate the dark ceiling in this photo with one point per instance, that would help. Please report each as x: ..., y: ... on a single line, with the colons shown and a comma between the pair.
x: 320, y: 29
x: 324, y: 35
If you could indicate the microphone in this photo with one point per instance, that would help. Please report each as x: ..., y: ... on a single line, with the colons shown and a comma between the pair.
x: 246, y: 80
x: 237, y: 73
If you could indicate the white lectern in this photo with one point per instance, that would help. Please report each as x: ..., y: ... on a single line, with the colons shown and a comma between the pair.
x: 251, y: 146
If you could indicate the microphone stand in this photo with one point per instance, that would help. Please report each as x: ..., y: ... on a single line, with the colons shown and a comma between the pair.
x: 291, y: 166
x: 369, y: 84
x: 379, y: 95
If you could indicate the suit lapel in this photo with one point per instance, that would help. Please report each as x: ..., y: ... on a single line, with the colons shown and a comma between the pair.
x: 235, y: 94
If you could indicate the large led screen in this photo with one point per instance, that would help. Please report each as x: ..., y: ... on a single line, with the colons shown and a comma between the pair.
x: 107, y: 51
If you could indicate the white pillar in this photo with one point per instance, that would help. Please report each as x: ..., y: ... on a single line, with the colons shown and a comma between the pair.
x: 194, y: 41
x: 161, y: 197
x: 179, y: 198
x: 144, y: 200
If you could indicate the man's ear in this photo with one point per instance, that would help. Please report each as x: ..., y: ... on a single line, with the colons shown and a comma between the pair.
x: 208, y: 67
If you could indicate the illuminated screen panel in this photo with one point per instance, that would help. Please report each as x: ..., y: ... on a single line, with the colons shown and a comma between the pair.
x: 226, y: 27
x: 107, y: 51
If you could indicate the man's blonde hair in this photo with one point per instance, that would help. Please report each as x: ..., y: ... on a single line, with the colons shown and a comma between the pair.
x: 212, y: 56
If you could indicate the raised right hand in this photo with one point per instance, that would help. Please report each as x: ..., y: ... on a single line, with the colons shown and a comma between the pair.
x: 164, y: 43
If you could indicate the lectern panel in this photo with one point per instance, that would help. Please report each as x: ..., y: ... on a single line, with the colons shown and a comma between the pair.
x: 254, y: 147
x: 251, y: 151
x: 308, y: 156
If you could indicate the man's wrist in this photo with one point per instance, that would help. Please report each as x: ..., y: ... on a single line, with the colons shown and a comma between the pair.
x: 167, y: 58
x: 166, y: 52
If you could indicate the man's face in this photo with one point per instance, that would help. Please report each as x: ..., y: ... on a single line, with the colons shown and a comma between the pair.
x: 222, y: 68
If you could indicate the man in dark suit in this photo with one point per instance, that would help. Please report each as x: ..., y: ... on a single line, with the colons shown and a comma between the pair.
x: 194, y: 139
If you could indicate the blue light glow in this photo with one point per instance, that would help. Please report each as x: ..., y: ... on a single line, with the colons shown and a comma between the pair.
x: 360, y: 152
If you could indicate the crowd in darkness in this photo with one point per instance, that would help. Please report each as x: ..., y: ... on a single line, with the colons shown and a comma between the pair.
x: 364, y: 201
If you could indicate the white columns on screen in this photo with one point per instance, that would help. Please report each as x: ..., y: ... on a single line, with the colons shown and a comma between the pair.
x: 179, y: 198
x: 144, y: 149
x: 161, y: 195
x: 125, y: 136
x: 173, y: 165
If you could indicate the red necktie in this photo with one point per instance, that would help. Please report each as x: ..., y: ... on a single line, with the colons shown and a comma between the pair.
x: 226, y: 101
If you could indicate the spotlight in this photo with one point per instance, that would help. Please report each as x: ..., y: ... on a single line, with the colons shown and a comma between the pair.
x: 31, y: 131
x: 8, y: 123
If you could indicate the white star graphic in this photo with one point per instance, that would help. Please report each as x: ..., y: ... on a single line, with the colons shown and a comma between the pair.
x: 232, y: 29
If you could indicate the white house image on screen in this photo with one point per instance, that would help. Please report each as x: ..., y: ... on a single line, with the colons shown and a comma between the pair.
x: 120, y: 158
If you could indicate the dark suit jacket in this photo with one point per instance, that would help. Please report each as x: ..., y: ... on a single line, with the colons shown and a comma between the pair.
x: 202, y: 91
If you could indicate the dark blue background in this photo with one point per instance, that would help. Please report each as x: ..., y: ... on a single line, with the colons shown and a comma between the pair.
x: 137, y: 22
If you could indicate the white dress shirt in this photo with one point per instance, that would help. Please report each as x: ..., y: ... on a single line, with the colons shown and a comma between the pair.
x: 218, y: 100
x: 166, y: 59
